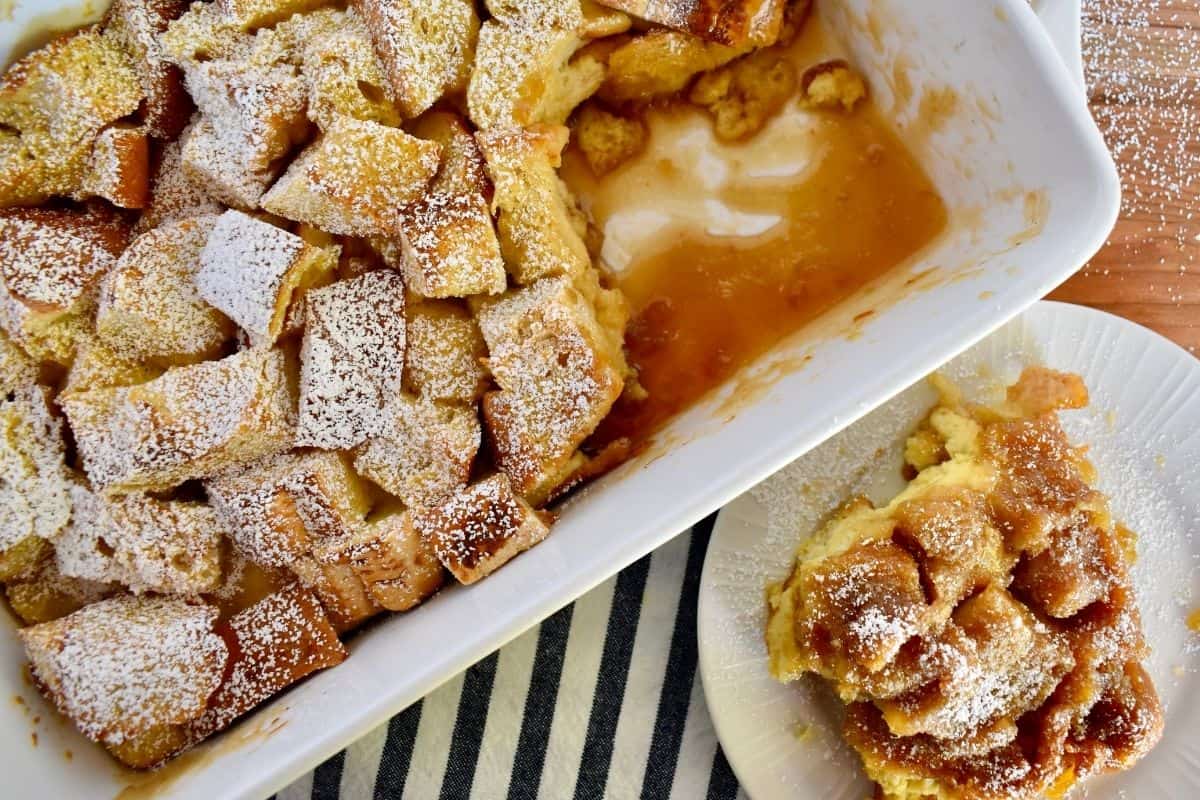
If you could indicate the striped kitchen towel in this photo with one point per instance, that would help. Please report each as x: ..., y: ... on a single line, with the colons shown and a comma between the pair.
x: 602, y: 700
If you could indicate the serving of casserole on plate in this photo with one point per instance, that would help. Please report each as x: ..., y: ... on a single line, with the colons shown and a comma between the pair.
x: 314, y: 312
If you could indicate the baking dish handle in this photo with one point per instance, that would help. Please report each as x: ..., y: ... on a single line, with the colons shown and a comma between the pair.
x: 1061, y: 19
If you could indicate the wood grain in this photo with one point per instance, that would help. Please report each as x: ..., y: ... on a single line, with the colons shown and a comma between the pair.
x: 1143, y: 65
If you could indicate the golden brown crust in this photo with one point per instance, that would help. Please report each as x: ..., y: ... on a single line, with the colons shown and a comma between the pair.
x: 728, y: 22
x: 398, y: 566
x: 481, y: 528
x: 137, y: 25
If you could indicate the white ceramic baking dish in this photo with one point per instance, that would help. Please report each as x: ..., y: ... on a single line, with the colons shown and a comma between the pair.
x: 1032, y: 194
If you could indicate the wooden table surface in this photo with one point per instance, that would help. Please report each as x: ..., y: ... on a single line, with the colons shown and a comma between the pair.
x: 1142, y: 59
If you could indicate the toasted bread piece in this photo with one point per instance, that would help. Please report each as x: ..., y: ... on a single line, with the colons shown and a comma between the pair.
x: 50, y: 261
x: 49, y: 595
x: 607, y: 140
x: 354, y: 178
x: 729, y: 22
x: 17, y: 369
x: 34, y: 493
x: 97, y: 366
x: 166, y: 546
x: 426, y: 47
x: 274, y: 643
x: 345, y: 77
x: 150, y: 309
x: 449, y: 246
x: 137, y: 26
x: 660, y: 63
x: 338, y: 587
x: 55, y: 101
x: 252, y: 118
x: 204, y: 33
x: 443, y: 353
x: 397, y: 565
x: 253, y: 271
x: 352, y: 359
x: 481, y: 528
x: 174, y: 194
x: 461, y: 170
x: 526, y: 75
x: 253, y: 14
x: 191, y: 422
x: 123, y: 666
x: 538, y: 235
x: 119, y: 170
x: 424, y: 453
x: 559, y: 371
x: 742, y: 96
x: 244, y: 583
x: 589, y: 19
x: 276, y: 509
x: 87, y: 547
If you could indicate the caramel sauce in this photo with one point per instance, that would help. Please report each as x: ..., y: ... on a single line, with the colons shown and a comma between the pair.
x: 1193, y: 621
x: 705, y: 306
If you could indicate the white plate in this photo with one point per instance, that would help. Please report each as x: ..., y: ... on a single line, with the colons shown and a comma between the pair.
x: 1142, y: 428
x: 1032, y: 193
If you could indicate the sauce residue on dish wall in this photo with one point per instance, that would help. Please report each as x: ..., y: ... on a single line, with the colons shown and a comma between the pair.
x: 725, y: 249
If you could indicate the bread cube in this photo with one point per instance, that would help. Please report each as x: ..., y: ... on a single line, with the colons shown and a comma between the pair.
x: 526, y: 75
x: 253, y: 271
x: 50, y: 263
x: 426, y: 47
x: 660, y: 63
x: 587, y: 18
x: 559, y: 371
x: 450, y: 247
x: 354, y: 178
x: 335, y: 583
x: 97, y: 366
x: 252, y: 118
x: 607, y: 140
x: 728, y: 22
x: 204, y: 33
x: 481, y: 528
x: 252, y: 14
x: 276, y: 509
x: 462, y: 169
x: 425, y: 451
x: 86, y: 548
x: 174, y: 194
x: 166, y: 546
x: 345, y: 77
x: 49, y: 595
x: 34, y: 494
x: 126, y: 665
x: 444, y: 351
x: 397, y: 565
x: 274, y: 643
x: 150, y: 309
x: 138, y: 25
x: 352, y: 359
x: 53, y: 102
x: 538, y: 237
x: 192, y: 422
x: 119, y: 170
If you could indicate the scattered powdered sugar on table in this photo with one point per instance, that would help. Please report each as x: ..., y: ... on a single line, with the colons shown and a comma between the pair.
x: 1142, y: 65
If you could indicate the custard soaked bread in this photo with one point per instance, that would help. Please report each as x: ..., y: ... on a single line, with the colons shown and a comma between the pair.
x: 298, y: 320
x: 980, y: 627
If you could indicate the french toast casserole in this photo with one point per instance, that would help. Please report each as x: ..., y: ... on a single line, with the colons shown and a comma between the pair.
x: 300, y: 323
x: 980, y: 628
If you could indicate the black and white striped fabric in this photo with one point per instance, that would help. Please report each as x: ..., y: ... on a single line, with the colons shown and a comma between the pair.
x: 602, y: 700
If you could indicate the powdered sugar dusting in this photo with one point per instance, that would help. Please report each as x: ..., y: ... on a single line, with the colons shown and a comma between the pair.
x: 124, y: 665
